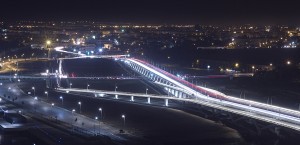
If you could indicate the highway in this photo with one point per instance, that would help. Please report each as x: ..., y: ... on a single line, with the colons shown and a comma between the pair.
x: 60, y: 49
x: 249, y: 111
x: 222, y: 76
x: 56, y: 76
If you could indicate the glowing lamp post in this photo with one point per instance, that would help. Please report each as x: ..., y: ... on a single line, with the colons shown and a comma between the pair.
x: 62, y: 100
x: 79, y: 103
x: 123, y: 117
x: 47, y: 95
x: 33, y: 88
x: 73, y: 110
x: 100, y: 109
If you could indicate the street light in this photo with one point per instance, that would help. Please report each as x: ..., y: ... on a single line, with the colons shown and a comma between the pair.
x: 146, y: 91
x: 87, y: 86
x: 47, y: 95
x: 79, y: 103
x: 52, y: 112
x: 62, y: 100
x: 288, y: 62
x: 236, y: 65
x: 96, y: 118
x: 48, y: 42
x: 123, y: 116
x: 70, y: 85
x: 33, y: 88
x: 100, y: 109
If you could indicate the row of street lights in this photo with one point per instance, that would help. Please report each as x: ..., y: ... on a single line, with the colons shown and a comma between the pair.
x: 101, y: 115
x: 96, y: 118
x: 79, y: 103
x: 237, y: 65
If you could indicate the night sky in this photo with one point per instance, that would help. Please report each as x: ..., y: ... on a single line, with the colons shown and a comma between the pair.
x: 155, y: 11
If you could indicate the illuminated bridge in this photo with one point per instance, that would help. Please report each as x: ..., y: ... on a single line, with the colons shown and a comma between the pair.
x: 182, y: 90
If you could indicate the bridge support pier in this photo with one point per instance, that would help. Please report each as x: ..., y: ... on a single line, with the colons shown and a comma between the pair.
x: 158, y: 79
x: 173, y: 92
x: 176, y: 94
x: 183, y: 95
x: 180, y: 95
x: 143, y: 71
x: 152, y: 77
x: 168, y: 91
x: 148, y: 100
x: 116, y: 96
x: 132, y: 98
x: 165, y: 82
x: 166, y: 102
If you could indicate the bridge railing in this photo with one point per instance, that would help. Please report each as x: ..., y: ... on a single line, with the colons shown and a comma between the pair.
x: 184, y: 82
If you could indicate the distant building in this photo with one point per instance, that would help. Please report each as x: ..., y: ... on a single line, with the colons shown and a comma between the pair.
x: 107, y: 44
x: 105, y: 32
x: 79, y: 41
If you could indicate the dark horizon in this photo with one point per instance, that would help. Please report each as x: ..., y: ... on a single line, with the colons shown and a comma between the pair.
x: 181, y: 12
